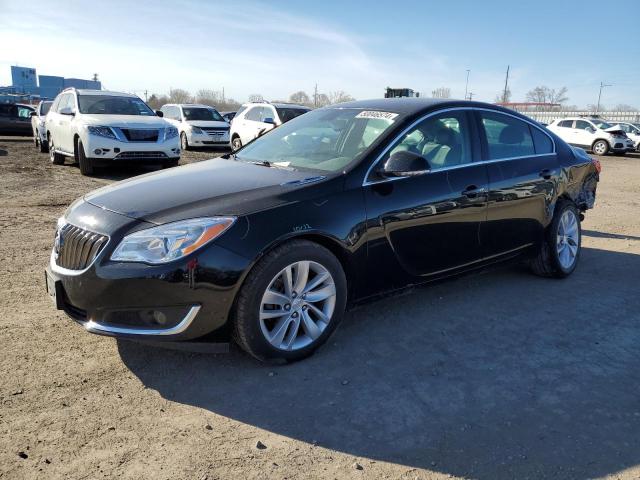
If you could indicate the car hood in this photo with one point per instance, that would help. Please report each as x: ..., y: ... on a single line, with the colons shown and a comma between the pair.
x: 126, y: 121
x: 212, y: 187
x: 207, y: 123
x: 614, y: 129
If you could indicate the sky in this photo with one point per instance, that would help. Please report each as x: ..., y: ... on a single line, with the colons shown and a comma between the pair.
x: 276, y: 48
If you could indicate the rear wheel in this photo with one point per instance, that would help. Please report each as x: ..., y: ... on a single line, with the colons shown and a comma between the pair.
x: 600, y: 147
x: 43, y: 146
x: 560, y: 251
x: 54, y: 157
x: 291, y: 302
x: 184, y: 143
x: 86, y: 167
x: 236, y: 143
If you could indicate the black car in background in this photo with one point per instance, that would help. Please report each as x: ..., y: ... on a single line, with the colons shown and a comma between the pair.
x: 15, y: 119
x: 228, y: 116
x: 273, y: 242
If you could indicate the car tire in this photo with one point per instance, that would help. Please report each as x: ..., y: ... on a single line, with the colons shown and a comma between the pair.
x: 184, y: 142
x: 253, y: 324
x: 55, y: 158
x: 86, y: 166
x: 560, y: 250
x: 44, y: 147
x: 600, y: 147
x: 236, y: 143
x: 171, y: 163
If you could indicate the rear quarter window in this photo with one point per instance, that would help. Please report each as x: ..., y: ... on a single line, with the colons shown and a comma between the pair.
x: 541, y: 141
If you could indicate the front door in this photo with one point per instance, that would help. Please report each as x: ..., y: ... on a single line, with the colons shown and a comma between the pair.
x: 427, y: 225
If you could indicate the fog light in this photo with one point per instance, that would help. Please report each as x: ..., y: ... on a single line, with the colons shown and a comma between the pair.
x: 159, y: 317
x: 97, y: 151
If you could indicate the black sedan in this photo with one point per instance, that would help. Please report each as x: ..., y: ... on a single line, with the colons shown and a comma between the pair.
x: 272, y: 243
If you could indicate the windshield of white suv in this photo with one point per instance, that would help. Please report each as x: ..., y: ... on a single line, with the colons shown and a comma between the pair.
x: 112, y: 105
x: 199, y: 113
x: 601, y: 125
x: 287, y: 114
x: 324, y: 139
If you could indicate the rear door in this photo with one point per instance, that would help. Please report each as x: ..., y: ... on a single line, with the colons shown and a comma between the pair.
x: 429, y: 224
x: 523, y: 173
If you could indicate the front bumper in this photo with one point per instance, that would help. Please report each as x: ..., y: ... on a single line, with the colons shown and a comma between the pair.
x: 181, y: 301
x: 208, y: 139
x: 103, y: 150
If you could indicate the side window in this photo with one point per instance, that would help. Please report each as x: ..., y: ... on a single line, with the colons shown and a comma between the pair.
x: 442, y: 139
x: 64, y: 101
x: 541, y: 141
x: 267, y: 112
x: 24, y: 112
x: 583, y: 125
x: 566, y: 123
x: 254, y: 114
x: 507, y: 137
x: 56, y: 103
x: 177, y: 113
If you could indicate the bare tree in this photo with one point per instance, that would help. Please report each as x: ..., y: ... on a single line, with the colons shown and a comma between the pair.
x: 322, y: 100
x: 300, y: 98
x: 156, y: 101
x: 178, y: 95
x: 339, y: 96
x: 594, y: 108
x: 208, y: 97
x: 544, y: 94
x: 442, y: 92
x: 623, y: 107
x: 558, y: 96
x: 504, y: 96
x: 256, y: 97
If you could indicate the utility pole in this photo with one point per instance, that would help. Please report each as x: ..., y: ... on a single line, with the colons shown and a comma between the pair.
x: 471, y: 94
x: 602, y: 85
x: 315, y: 96
x: 466, y: 85
x: 506, y: 86
x: 223, y: 95
x: 145, y: 96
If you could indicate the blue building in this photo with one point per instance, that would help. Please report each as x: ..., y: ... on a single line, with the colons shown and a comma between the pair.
x: 35, y: 87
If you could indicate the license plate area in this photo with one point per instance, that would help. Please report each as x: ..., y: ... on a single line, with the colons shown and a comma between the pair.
x: 54, y: 289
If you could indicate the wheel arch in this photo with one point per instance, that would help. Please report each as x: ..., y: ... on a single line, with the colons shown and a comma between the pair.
x: 601, y: 139
x: 76, y: 139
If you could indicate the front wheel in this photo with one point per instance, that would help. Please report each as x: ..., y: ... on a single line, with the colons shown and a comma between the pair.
x: 86, y: 167
x: 291, y: 302
x: 560, y: 250
x: 184, y: 143
x: 601, y: 147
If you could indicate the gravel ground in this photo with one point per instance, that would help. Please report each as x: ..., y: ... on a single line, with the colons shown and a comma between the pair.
x: 497, y: 375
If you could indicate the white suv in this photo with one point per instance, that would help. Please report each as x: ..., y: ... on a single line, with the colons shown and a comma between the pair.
x: 99, y: 128
x: 254, y: 119
x: 632, y: 130
x: 592, y: 134
x: 199, y: 125
x: 37, y: 124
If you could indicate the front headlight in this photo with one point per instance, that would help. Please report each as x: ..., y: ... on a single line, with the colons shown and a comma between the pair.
x: 171, y: 241
x: 170, y: 132
x: 101, y: 131
x: 196, y: 130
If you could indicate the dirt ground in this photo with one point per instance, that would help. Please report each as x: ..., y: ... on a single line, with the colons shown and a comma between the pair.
x: 497, y: 375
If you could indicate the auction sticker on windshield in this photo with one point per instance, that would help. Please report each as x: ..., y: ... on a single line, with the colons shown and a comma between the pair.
x: 375, y: 114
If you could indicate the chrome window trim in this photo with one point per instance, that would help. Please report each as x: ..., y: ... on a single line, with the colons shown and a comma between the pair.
x: 65, y: 271
x: 366, y: 182
x: 96, y: 327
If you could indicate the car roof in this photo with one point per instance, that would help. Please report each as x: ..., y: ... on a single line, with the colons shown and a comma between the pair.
x: 277, y: 105
x: 106, y: 93
x: 199, y: 105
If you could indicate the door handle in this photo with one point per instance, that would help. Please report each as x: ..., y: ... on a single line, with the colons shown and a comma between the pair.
x: 546, y: 174
x: 472, y: 191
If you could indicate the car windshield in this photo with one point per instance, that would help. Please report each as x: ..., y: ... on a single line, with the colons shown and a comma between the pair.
x: 112, y: 105
x: 326, y: 139
x: 601, y: 125
x: 287, y: 114
x: 44, y: 108
x: 200, y: 113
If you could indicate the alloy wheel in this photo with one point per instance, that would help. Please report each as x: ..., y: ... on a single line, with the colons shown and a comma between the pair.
x: 599, y: 148
x: 568, y: 239
x: 297, y: 306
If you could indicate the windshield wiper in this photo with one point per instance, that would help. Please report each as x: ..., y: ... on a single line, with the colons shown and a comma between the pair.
x: 264, y: 163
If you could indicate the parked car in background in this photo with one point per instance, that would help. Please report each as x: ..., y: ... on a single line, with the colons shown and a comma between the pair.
x: 38, y: 125
x: 254, y: 119
x: 15, y: 119
x: 344, y: 203
x: 198, y: 125
x: 99, y: 128
x: 228, y: 116
x: 592, y: 134
x: 632, y: 130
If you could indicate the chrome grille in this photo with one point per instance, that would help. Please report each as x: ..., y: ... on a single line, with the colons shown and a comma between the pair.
x: 76, y: 248
x: 140, y: 155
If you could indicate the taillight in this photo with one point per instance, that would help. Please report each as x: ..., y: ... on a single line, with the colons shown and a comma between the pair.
x: 596, y: 163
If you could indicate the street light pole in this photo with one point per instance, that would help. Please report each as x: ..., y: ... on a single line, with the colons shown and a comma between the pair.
x: 466, y: 86
x: 602, y: 85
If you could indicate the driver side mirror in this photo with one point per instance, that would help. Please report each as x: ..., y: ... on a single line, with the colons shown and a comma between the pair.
x: 405, y: 164
x: 67, y: 111
x: 269, y: 120
x: 160, y: 113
